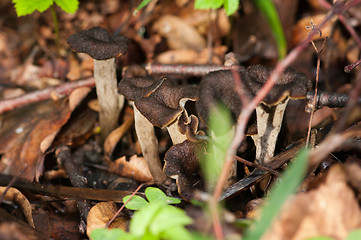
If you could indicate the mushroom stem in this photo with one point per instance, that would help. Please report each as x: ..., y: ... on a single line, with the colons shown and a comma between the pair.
x: 175, y: 134
x: 149, y: 145
x: 269, y: 122
x: 110, y: 102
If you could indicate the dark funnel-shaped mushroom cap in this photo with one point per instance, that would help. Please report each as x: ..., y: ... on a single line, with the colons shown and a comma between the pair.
x: 292, y: 84
x: 160, y: 101
x: 219, y: 86
x: 98, y: 43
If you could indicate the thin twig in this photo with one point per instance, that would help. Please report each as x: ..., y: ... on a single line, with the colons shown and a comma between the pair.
x: 344, y: 21
x: 255, y: 165
x: 318, y: 51
x: 351, y: 66
x: 123, y: 206
x: 186, y: 69
x: 44, y: 94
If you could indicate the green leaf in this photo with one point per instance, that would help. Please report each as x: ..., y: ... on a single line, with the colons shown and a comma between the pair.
x: 143, y: 218
x: 208, y: 4
x: 289, y: 182
x: 354, y: 235
x: 156, y: 195
x: 168, y: 217
x: 177, y: 233
x: 269, y: 11
x: 113, y: 234
x: 220, y: 129
x: 69, y: 6
x: 143, y: 4
x: 320, y: 238
x: 231, y: 6
x: 24, y: 7
x: 136, y: 203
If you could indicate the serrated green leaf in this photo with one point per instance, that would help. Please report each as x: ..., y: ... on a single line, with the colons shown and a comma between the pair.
x: 354, y: 235
x: 114, y: 234
x: 269, y: 11
x: 24, y: 7
x: 69, y: 6
x: 168, y: 217
x: 156, y: 195
x: 231, y: 6
x: 143, y: 218
x: 289, y: 182
x: 208, y: 4
x: 136, y: 203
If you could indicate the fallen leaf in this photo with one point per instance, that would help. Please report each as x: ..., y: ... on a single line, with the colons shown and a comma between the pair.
x: 113, y: 138
x: 179, y: 34
x: 329, y: 210
x: 101, y: 213
x: 303, y: 27
x: 135, y: 168
x: 22, y: 132
x: 18, y: 198
x: 189, y: 56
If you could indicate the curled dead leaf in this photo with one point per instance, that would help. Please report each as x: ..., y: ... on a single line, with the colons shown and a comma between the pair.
x: 17, y: 197
x: 135, y: 168
x: 101, y: 213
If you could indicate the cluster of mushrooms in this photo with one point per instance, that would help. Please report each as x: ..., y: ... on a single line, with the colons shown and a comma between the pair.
x: 160, y: 102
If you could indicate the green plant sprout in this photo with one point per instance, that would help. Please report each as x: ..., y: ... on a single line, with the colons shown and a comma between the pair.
x: 353, y: 235
x: 25, y: 7
x: 288, y: 184
x: 220, y: 129
x: 269, y: 11
x: 153, y: 219
x: 230, y: 6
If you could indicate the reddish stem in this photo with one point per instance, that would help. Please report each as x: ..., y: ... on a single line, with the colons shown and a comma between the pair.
x: 44, y: 94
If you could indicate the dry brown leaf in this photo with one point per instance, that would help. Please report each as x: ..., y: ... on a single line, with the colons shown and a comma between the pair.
x: 17, y: 197
x: 188, y: 56
x: 77, y: 130
x: 330, y: 210
x: 135, y: 168
x: 101, y: 213
x: 22, y: 132
x: 74, y: 68
x: 77, y: 96
x: 300, y: 32
x: 113, y: 138
x: 179, y: 34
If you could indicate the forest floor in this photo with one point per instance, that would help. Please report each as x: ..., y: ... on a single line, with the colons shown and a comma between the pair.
x: 56, y: 162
